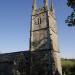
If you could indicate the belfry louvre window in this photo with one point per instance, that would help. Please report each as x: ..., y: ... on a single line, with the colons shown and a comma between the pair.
x: 39, y: 20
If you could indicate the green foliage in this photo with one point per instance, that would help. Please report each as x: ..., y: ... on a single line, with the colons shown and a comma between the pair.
x: 71, y: 3
x: 71, y: 19
x: 68, y: 66
x: 68, y: 63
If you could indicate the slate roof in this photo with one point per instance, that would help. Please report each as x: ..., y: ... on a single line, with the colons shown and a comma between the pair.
x: 9, y: 57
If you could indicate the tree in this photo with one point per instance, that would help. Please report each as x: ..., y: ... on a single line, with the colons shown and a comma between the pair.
x: 71, y: 19
x: 68, y: 66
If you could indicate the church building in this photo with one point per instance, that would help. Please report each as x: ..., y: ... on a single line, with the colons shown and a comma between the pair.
x: 43, y: 57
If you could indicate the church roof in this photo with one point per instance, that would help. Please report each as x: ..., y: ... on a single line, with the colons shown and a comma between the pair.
x: 9, y: 57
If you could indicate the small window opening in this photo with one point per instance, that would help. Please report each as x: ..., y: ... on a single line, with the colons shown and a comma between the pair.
x: 39, y: 20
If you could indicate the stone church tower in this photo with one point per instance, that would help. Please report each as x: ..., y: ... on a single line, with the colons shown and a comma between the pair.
x: 44, y: 37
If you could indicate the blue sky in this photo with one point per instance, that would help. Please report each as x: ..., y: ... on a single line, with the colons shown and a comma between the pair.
x: 15, y: 16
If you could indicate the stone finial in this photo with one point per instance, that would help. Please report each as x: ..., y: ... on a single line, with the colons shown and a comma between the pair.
x: 34, y: 5
x: 46, y: 3
x: 52, y: 7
